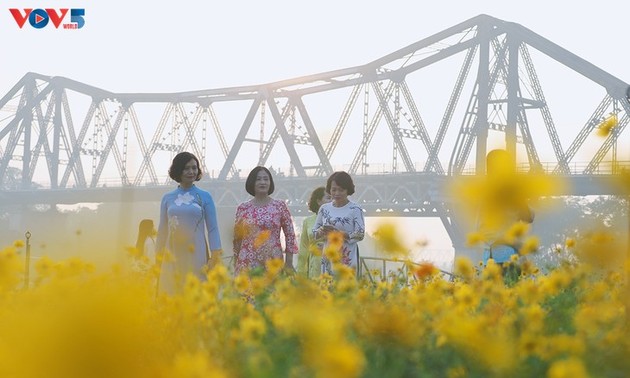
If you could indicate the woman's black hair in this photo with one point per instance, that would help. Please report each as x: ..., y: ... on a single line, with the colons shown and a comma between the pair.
x: 179, y: 162
x: 250, y: 183
x: 145, y: 230
x: 343, y: 180
x: 317, y: 195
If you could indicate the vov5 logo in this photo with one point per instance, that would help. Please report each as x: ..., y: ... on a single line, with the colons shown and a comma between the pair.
x: 40, y: 18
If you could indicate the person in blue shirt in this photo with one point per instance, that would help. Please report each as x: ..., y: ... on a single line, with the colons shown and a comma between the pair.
x: 186, y: 214
x: 503, y: 203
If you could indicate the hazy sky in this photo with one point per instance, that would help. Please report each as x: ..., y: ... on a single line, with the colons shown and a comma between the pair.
x: 163, y: 46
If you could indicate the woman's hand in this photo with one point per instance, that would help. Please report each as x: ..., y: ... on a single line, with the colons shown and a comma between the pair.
x: 288, y: 264
x: 288, y: 269
x: 326, y: 229
x: 215, y: 258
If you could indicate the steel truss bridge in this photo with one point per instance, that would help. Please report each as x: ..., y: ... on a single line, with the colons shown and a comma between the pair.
x: 72, y: 138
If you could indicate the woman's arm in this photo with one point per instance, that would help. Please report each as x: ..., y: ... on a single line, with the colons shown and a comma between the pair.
x: 304, y: 251
x: 319, y: 231
x: 239, y: 230
x: 212, y: 226
x: 162, y: 233
x: 358, y: 233
x: 286, y: 222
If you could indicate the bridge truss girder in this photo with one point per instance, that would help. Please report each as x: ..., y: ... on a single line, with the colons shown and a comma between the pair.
x: 40, y: 134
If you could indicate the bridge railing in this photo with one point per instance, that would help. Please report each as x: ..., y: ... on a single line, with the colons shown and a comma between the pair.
x: 381, y: 269
x: 575, y: 168
x: 384, y: 269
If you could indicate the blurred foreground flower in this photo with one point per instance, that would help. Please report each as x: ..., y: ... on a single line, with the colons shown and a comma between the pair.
x: 10, y: 268
x: 425, y: 270
x: 261, y: 238
x: 79, y: 320
x: 606, y: 127
x: 388, y: 239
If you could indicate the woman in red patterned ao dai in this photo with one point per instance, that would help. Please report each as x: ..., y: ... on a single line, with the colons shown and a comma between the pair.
x: 258, y: 224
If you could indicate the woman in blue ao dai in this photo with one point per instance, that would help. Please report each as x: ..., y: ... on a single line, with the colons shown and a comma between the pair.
x: 186, y: 214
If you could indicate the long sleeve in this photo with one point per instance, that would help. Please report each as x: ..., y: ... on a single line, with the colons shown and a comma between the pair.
x: 214, y: 238
x: 319, y: 221
x: 359, y: 225
x: 286, y: 222
x: 238, y: 230
x: 162, y: 233
x: 304, y: 252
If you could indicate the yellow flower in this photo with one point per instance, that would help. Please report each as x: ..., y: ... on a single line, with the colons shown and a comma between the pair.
x: 241, y: 229
x: 529, y: 345
x: 44, y: 267
x: 464, y: 268
x: 258, y: 285
x: 425, y: 270
x: 572, y: 367
x: 191, y: 365
x: 465, y: 296
x: 600, y: 248
x: 261, y: 238
x: 492, y: 272
x: 534, y: 317
x: 389, y: 240
x: 314, y: 249
x: 516, y: 232
x: 569, y: 243
x: 332, y: 253
x: 456, y: 372
x: 335, y: 239
x: 345, y: 272
x: 474, y: 238
x: 165, y: 257
x: 252, y: 328
x: 555, y: 281
x: 389, y: 324
x: 134, y: 252
x: 339, y: 360
x: 274, y: 266
x: 528, y: 268
x: 218, y: 274
x: 561, y: 344
x: 489, y: 345
x: 241, y: 283
x: 18, y: 243
x: 529, y: 246
x: 10, y: 269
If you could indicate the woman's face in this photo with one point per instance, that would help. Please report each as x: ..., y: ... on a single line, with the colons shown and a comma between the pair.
x: 190, y: 172
x: 261, y: 186
x: 339, y: 195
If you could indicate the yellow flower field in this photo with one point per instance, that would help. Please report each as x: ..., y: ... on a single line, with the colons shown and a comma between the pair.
x: 79, y: 321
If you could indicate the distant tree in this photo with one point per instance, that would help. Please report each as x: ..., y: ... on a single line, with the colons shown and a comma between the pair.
x: 12, y: 180
x: 560, y: 219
